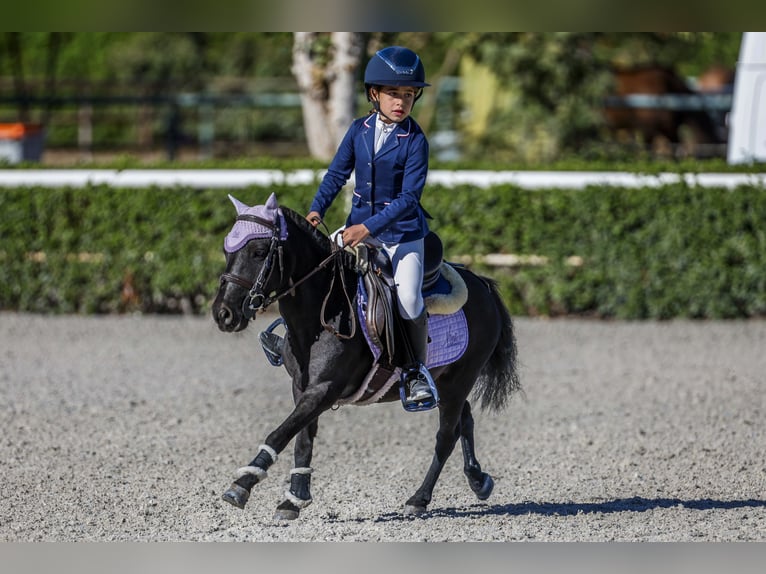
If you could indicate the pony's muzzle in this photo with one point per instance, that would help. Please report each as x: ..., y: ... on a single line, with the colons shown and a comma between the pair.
x: 226, y: 319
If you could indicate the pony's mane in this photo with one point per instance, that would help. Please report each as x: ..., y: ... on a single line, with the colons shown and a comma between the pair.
x: 319, y: 238
x: 316, y: 236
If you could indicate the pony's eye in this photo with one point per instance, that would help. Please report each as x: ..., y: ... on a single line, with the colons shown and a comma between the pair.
x: 260, y: 252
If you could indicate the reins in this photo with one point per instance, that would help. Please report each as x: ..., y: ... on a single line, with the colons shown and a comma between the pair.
x: 337, y: 256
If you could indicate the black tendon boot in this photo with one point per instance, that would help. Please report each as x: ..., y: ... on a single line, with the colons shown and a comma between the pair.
x: 417, y: 384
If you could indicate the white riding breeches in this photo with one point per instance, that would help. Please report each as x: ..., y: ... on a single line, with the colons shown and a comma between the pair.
x: 407, y: 261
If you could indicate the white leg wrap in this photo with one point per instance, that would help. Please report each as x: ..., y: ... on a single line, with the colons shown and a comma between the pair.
x: 299, y: 502
x: 270, y: 451
x: 256, y: 471
x: 302, y: 470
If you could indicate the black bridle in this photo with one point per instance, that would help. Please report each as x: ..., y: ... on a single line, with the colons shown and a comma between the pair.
x: 256, y: 300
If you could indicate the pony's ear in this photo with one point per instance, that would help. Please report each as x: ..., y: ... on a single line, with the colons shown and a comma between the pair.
x: 271, y: 203
x: 241, y: 207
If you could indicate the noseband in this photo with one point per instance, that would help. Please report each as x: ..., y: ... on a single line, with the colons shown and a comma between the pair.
x: 256, y: 299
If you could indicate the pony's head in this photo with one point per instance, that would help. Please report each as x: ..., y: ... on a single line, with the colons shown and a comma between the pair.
x: 254, y: 263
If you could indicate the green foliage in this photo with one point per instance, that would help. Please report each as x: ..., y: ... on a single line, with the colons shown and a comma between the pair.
x: 160, y: 60
x: 553, y: 85
x: 674, y: 251
x: 690, y: 52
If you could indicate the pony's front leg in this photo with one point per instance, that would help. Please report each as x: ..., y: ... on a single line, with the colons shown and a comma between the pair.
x: 248, y: 476
x: 311, y: 404
x: 298, y: 495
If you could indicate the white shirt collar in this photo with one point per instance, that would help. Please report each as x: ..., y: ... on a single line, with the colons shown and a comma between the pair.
x: 381, y: 125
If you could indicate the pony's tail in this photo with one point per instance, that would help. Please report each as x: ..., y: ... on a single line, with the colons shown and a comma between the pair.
x: 499, y: 378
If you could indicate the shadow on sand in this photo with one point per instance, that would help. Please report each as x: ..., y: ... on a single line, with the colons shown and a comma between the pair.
x: 635, y: 504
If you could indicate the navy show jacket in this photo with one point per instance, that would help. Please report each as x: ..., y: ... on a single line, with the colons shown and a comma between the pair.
x: 388, y: 185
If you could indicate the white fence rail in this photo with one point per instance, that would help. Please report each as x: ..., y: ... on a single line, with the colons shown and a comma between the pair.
x: 210, y: 178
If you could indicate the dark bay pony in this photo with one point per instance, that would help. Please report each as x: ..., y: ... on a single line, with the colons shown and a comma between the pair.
x: 273, y: 253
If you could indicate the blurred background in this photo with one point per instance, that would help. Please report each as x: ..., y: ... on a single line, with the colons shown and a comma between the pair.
x: 661, y: 107
x: 505, y: 98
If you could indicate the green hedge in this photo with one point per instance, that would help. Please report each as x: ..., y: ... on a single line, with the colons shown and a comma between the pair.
x: 675, y: 251
x: 86, y: 250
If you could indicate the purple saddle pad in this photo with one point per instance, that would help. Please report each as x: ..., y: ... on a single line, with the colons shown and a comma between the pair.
x: 448, y: 334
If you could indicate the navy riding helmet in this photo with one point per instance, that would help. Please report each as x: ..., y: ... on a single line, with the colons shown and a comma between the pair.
x: 395, y: 66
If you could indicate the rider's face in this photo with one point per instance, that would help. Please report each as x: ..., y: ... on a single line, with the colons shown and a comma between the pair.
x: 395, y: 101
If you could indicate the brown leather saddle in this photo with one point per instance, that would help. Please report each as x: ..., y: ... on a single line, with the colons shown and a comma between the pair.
x: 375, y: 270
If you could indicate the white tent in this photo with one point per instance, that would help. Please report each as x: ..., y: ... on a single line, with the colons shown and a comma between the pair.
x: 747, y: 120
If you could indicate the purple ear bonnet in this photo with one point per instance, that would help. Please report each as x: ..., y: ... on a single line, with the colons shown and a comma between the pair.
x: 244, y: 231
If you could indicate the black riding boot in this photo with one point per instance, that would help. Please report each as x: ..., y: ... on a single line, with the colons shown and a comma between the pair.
x: 417, y: 379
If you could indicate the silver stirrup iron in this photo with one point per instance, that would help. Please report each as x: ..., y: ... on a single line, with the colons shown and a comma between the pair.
x: 424, y: 405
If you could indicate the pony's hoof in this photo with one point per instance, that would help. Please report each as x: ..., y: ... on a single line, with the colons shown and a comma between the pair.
x: 414, y: 510
x: 286, y: 514
x: 287, y: 511
x: 486, y: 488
x: 236, y: 496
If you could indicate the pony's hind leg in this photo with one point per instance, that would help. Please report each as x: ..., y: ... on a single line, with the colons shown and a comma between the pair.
x: 480, y: 482
x: 446, y: 439
x: 298, y: 494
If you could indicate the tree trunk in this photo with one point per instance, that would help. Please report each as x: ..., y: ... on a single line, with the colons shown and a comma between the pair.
x: 325, y: 69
